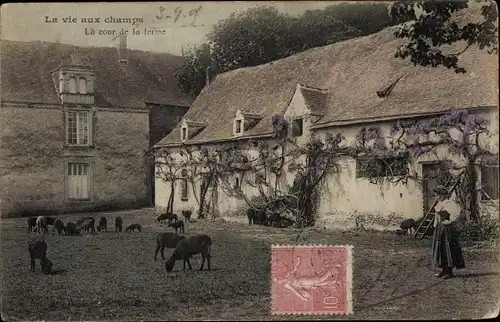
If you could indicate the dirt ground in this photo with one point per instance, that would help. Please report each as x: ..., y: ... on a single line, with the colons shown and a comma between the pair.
x: 113, y: 276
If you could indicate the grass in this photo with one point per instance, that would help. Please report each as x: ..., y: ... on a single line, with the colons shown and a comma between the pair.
x: 113, y: 276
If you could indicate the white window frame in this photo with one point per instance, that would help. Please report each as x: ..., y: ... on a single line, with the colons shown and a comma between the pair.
x: 238, y: 126
x: 73, y: 166
x: 89, y: 127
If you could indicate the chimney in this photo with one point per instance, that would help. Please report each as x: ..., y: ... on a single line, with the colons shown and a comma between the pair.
x: 207, y: 73
x: 122, y: 49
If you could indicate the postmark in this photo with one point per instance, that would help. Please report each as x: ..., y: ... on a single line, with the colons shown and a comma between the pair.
x: 311, y: 279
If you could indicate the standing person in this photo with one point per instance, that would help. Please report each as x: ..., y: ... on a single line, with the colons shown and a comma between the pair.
x: 446, y: 250
x: 445, y: 203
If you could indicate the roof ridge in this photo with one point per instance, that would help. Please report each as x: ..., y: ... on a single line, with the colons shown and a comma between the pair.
x: 51, y: 43
x: 305, y: 52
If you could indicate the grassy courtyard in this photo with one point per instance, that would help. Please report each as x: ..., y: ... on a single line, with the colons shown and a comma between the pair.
x: 113, y: 276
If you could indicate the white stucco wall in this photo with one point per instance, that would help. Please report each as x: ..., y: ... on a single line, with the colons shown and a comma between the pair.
x: 228, y: 202
x: 344, y: 196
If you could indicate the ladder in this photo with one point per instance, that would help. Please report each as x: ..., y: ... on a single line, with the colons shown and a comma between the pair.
x: 428, y: 219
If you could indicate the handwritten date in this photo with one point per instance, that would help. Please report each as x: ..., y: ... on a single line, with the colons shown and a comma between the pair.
x: 180, y: 14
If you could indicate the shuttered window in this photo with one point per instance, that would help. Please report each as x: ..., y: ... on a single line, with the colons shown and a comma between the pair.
x: 371, y: 167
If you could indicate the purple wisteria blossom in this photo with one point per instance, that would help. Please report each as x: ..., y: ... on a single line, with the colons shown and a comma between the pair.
x: 416, y: 151
x: 395, y: 127
x: 276, y: 120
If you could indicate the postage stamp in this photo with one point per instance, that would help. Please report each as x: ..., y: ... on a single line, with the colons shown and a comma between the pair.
x: 311, y: 279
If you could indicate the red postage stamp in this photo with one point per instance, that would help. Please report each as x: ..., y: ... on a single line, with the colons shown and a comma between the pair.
x: 315, y: 279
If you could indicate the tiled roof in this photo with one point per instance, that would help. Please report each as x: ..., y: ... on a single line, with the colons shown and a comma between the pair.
x: 26, y: 69
x: 352, y: 71
x: 315, y: 99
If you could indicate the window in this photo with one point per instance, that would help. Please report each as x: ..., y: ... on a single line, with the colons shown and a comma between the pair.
x: 237, y: 184
x: 297, y: 127
x: 184, y: 185
x: 237, y: 130
x: 82, y: 86
x: 72, y: 85
x: 370, y: 167
x: 489, y: 182
x: 61, y: 85
x: 78, y: 127
x: 78, y: 181
x: 184, y: 133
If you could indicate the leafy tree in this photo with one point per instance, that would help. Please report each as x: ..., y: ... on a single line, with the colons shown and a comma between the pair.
x: 191, y: 75
x: 315, y: 28
x: 260, y: 35
x: 428, y: 26
x: 365, y: 18
x: 252, y: 37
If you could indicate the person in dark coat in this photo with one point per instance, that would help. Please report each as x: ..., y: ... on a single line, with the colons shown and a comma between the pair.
x: 446, y: 250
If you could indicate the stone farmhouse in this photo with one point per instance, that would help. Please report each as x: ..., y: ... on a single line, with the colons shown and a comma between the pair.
x: 76, y: 123
x: 339, y: 88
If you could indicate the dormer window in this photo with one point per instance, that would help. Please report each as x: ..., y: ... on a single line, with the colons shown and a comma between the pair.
x: 297, y: 127
x: 72, y: 85
x: 190, y: 129
x: 76, y: 80
x: 245, y: 121
x: 238, y: 126
x: 184, y: 133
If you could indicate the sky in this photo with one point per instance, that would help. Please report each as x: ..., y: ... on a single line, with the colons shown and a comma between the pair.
x: 33, y: 21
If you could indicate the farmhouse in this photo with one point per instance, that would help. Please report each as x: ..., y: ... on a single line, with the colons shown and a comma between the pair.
x: 76, y: 123
x: 349, y: 88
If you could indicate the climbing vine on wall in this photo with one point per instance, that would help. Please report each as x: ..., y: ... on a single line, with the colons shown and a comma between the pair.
x: 379, y: 159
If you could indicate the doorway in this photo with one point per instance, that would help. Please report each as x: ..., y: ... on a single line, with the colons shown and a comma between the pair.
x: 432, y: 177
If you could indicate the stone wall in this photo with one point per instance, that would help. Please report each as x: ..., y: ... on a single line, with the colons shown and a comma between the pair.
x: 32, y: 161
